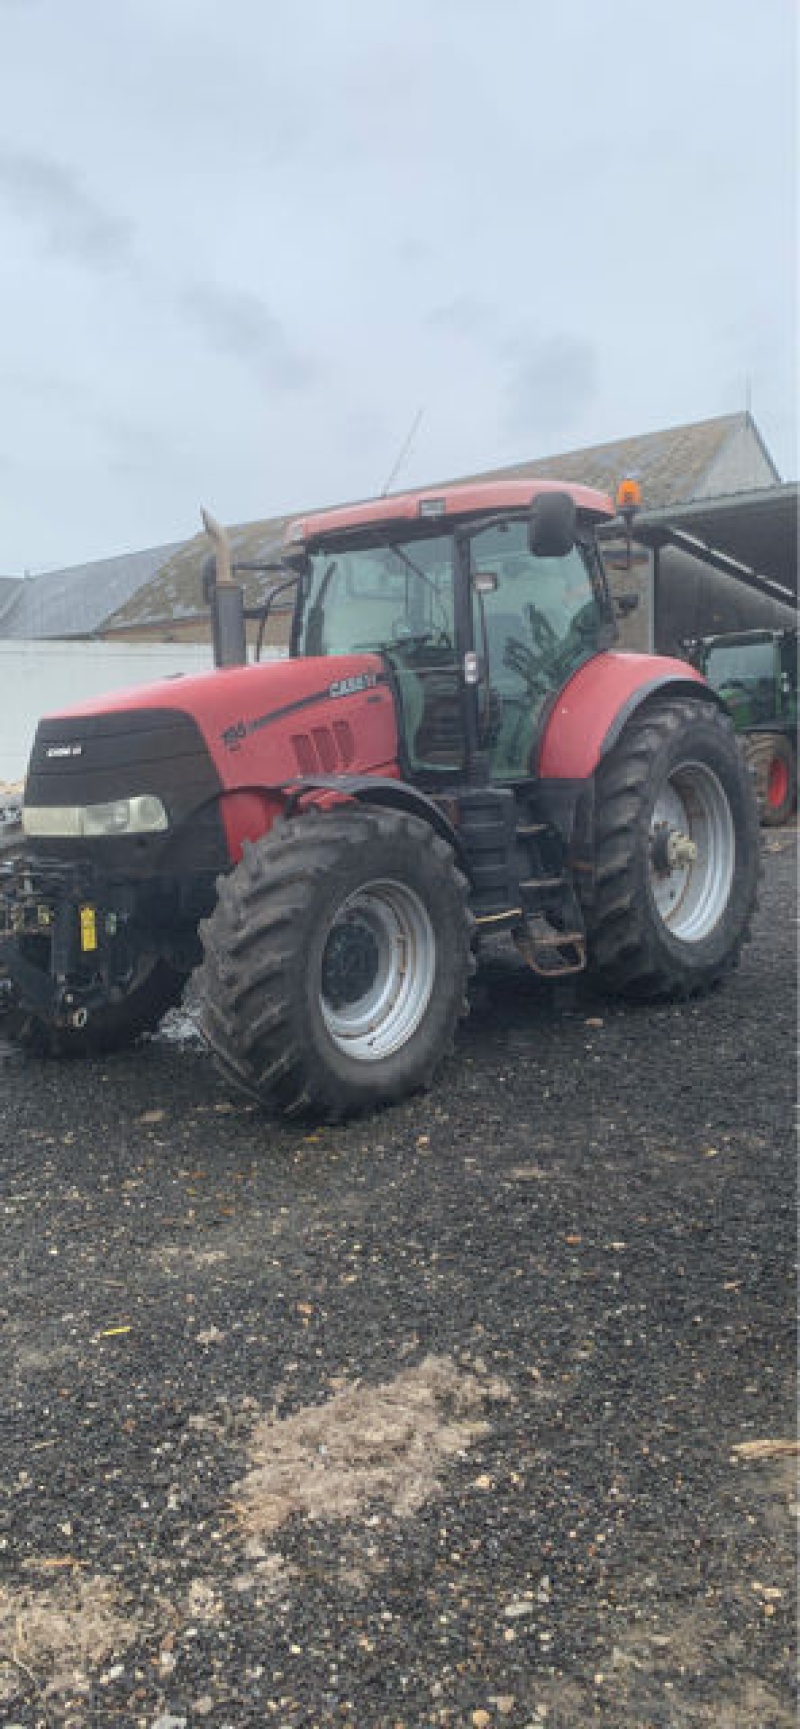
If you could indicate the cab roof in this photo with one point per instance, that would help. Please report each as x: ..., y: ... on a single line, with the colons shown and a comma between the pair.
x: 435, y: 504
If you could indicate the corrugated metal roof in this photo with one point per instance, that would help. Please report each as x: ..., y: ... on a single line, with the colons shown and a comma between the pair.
x: 77, y: 601
x: 758, y: 530
x: 670, y: 465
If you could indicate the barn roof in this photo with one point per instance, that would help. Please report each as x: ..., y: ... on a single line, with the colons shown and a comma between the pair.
x: 670, y: 465
x: 76, y: 601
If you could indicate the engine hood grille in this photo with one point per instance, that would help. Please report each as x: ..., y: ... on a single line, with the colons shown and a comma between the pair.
x: 96, y: 758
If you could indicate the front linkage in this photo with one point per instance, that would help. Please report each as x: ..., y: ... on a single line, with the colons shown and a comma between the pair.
x: 75, y: 944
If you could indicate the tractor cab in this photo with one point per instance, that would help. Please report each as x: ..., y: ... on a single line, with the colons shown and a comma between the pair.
x: 482, y: 603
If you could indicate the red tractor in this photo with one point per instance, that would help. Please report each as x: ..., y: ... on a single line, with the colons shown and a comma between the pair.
x: 452, y: 749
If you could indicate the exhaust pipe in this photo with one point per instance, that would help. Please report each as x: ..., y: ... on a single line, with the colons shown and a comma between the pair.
x: 226, y: 599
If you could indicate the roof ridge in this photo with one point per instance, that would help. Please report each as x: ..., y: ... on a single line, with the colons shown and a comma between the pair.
x: 640, y: 437
x: 111, y: 558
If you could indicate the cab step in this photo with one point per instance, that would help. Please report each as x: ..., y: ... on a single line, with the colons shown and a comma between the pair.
x: 549, y: 952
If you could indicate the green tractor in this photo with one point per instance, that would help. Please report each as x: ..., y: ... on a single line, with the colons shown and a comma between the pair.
x: 755, y: 674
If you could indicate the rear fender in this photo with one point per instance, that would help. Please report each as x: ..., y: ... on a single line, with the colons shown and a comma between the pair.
x: 593, y: 708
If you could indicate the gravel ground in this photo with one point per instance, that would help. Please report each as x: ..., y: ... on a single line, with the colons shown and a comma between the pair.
x: 431, y: 1419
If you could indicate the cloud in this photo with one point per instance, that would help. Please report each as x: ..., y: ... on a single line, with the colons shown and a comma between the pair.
x: 48, y: 195
x: 239, y: 324
x: 48, y: 390
x: 552, y: 383
x: 465, y: 315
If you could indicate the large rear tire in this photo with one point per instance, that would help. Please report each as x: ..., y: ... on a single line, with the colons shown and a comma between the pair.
x: 773, y: 763
x: 676, y: 854
x: 336, y: 962
x: 157, y: 988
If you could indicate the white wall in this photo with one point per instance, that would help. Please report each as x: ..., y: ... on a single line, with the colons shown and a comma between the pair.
x: 39, y: 678
x: 740, y: 466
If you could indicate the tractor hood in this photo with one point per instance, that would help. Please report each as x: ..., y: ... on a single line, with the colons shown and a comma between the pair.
x: 180, y: 748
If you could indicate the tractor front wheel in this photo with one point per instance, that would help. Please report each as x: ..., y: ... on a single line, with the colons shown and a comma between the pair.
x: 676, y: 853
x: 336, y: 962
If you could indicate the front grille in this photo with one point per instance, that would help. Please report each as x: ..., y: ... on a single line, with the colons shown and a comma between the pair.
x: 97, y: 758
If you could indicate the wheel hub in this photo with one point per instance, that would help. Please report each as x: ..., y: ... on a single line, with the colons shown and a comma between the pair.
x: 777, y: 783
x: 350, y: 964
x: 378, y: 970
x: 671, y: 848
x: 691, y: 851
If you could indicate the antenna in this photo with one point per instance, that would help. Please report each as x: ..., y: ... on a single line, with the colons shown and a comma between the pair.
x: 404, y: 449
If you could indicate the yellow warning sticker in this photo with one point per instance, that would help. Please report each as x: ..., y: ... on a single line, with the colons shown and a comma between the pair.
x: 88, y: 929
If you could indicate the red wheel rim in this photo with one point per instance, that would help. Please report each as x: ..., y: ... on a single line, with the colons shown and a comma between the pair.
x: 777, y: 783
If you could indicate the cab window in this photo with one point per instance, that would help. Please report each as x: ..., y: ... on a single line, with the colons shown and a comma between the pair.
x: 536, y: 620
x: 395, y: 599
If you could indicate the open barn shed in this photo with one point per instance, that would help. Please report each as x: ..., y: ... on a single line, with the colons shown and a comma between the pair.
x: 723, y: 564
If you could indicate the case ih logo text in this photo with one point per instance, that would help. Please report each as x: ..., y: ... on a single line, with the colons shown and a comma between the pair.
x: 64, y: 750
x: 350, y: 686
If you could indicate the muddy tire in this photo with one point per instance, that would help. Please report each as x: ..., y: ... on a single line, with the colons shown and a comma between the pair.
x: 773, y: 764
x: 158, y: 988
x: 336, y: 962
x: 676, y: 854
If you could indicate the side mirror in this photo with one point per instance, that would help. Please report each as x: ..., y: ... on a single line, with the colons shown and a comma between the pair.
x: 552, y: 525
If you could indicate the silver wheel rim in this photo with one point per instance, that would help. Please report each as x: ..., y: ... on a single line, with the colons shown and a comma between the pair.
x: 378, y: 969
x: 691, y: 894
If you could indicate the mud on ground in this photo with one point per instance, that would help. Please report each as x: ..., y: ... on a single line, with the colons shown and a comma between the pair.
x: 445, y: 1417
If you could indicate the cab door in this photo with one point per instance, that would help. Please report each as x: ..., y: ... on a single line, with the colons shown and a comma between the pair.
x: 535, y: 621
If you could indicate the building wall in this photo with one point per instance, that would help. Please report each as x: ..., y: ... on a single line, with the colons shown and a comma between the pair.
x: 191, y: 630
x: 636, y: 578
x: 741, y: 466
x: 39, y: 678
x: 197, y: 628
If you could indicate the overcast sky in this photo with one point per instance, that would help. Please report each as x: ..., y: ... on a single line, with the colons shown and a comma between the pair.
x: 245, y: 243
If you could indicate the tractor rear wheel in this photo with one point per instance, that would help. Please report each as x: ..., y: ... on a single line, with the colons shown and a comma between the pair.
x: 336, y: 962
x: 774, y: 765
x: 676, y: 853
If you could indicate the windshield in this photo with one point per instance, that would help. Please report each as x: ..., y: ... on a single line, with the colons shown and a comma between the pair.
x: 739, y: 663
x: 388, y: 597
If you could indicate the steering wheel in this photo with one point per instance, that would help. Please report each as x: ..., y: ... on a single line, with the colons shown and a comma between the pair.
x: 405, y: 637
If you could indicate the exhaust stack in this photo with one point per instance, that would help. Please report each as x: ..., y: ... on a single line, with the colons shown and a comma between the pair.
x: 225, y: 597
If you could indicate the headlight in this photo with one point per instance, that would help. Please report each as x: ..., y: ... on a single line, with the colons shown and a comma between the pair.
x: 142, y: 815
